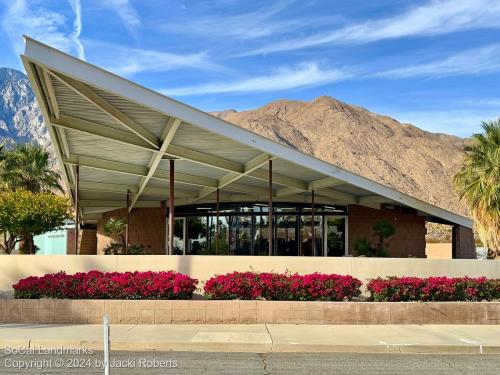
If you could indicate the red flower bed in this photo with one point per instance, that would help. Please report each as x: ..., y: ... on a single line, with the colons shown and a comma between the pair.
x: 394, y: 289
x: 107, y: 285
x: 282, y: 287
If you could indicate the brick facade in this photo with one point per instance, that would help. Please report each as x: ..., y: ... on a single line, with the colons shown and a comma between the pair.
x: 87, y: 239
x: 147, y: 228
x: 409, y: 238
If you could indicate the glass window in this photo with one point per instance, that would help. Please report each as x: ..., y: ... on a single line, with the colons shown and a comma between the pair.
x: 261, y: 235
x: 223, y: 235
x: 286, y: 235
x: 335, y: 236
x: 241, y: 235
x: 197, y: 235
x: 307, y: 247
x: 178, y: 235
x: 244, y: 230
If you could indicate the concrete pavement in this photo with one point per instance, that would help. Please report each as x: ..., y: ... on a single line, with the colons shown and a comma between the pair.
x: 262, y: 338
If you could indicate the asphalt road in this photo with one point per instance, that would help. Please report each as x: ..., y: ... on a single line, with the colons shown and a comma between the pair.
x: 250, y: 363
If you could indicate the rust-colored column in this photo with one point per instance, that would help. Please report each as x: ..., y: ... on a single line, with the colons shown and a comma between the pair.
x: 77, y: 222
x: 163, y: 217
x: 270, y: 207
x: 128, y: 223
x: 171, y: 195
x: 217, y: 222
x: 313, y: 225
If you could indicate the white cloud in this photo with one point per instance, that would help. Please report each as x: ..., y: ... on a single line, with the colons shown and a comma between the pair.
x: 479, y: 60
x: 304, y: 75
x: 433, y: 18
x: 126, y: 12
x: 77, y: 27
x: 251, y: 25
x: 473, y: 61
x: 129, y: 61
x: 25, y: 17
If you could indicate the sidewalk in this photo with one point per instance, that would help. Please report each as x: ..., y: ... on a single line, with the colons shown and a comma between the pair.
x: 261, y: 338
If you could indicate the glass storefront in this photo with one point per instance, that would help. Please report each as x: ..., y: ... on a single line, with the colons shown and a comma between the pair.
x: 244, y: 230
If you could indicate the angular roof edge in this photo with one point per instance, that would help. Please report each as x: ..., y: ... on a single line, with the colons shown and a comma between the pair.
x: 52, y: 58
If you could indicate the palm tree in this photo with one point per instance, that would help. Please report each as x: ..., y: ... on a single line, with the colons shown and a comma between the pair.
x: 28, y: 167
x: 478, y: 183
x: 117, y: 227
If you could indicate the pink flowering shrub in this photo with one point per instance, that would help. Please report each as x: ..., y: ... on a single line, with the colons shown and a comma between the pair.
x: 395, y: 289
x: 282, y: 287
x: 107, y: 285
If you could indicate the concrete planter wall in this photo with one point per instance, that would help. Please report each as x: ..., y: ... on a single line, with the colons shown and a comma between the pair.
x: 203, y: 267
x: 246, y: 312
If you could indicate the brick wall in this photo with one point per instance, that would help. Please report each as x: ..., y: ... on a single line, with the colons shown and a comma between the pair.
x: 147, y: 228
x: 410, y: 230
x: 47, y: 311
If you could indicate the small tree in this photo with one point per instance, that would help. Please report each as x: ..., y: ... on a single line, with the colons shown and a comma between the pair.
x: 116, y: 227
x: 24, y: 214
x: 383, y: 230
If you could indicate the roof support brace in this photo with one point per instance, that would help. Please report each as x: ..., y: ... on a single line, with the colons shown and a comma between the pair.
x: 167, y: 136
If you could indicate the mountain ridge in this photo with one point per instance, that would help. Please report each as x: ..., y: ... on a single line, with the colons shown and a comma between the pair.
x: 418, y: 163
x: 21, y: 120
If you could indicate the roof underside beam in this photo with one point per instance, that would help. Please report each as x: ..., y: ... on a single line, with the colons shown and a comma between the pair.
x: 122, y: 189
x: 249, y: 167
x: 135, y: 170
x: 374, y: 199
x: 101, y: 131
x: 337, y: 196
x: 324, y: 183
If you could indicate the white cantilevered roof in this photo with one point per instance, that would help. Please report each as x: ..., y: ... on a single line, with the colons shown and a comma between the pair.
x: 122, y: 136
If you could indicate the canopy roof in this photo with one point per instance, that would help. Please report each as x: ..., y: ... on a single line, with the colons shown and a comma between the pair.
x: 122, y: 136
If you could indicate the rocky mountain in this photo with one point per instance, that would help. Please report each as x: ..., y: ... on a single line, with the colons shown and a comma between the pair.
x: 380, y: 148
x: 20, y: 116
x: 416, y: 162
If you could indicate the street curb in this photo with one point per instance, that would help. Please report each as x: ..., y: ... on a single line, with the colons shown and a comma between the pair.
x: 253, y: 347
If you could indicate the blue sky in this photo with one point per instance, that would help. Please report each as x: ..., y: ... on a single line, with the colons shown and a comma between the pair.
x: 433, y: 63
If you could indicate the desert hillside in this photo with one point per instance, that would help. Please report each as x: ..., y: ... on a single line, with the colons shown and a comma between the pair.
x: 402, y: 156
